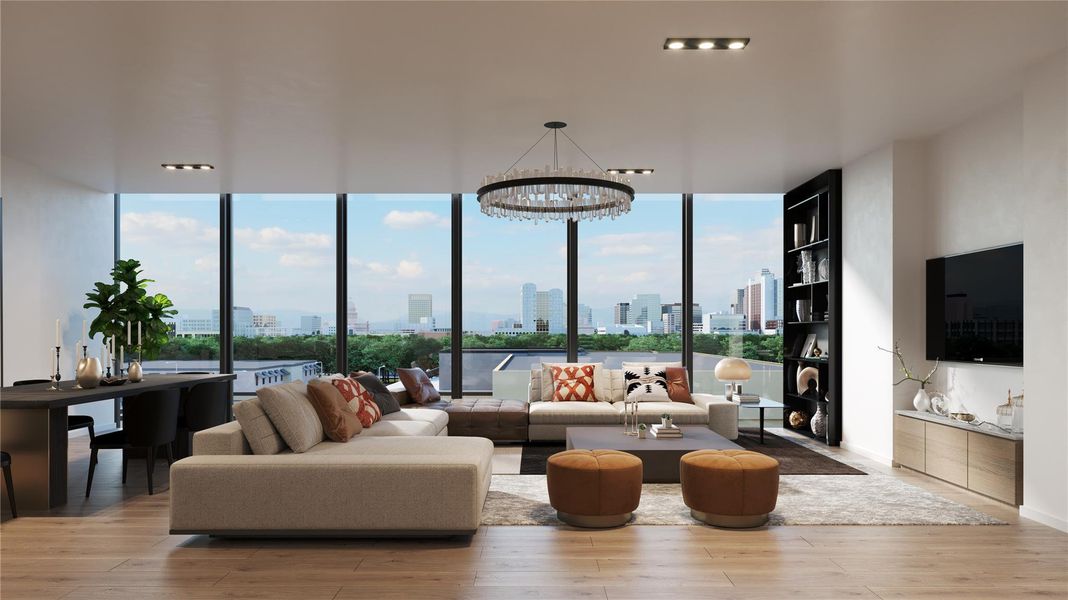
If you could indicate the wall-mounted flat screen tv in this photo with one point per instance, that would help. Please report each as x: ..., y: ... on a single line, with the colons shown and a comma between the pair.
x: 975, y: 307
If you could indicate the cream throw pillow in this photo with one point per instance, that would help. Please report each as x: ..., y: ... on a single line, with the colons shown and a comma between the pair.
x: 292, y: 414
x: 647, y: 382
x: 262, y: 437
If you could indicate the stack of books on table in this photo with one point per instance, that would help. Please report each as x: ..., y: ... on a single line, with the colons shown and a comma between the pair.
x: 659, y: 431
x: 747, y: 398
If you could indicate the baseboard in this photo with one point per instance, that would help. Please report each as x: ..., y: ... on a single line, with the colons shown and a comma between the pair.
x: 1041, y: 517
x: 869, y: 454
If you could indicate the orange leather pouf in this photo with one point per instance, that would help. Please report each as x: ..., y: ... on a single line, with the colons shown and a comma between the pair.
x: 729, y: 488
x: 594, y: 488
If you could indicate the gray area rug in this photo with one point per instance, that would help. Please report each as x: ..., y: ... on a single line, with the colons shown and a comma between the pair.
x: 877, y: 499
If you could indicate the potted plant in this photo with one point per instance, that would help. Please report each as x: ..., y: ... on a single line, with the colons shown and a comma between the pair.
x: 125, y: 300
x: 665, y: 420
x: 641, y: 431
x: 921, y: 401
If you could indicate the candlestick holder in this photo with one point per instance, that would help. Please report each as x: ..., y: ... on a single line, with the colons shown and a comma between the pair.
x: 79, y: 367
x: 58, y: 376
x: 107, y: 375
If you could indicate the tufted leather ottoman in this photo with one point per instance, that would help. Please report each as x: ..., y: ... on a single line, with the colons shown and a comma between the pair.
x: 594, y: 488
x: 729, y: 488
x: 498, y: 420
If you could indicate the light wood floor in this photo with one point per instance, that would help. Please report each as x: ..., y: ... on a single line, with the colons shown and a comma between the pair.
x: 116, y: 546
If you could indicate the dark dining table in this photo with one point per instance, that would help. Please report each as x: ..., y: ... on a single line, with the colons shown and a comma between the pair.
x: 33, y: 430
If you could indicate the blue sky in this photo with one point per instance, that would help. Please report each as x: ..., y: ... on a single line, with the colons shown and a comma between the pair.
x: 399, y: 244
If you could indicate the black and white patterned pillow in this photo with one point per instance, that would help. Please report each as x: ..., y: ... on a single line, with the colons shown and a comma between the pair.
x: 646, y: 382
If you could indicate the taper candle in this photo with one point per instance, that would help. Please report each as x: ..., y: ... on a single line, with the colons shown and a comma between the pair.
x: 83, y: 333
x: 139, y: 334
x: 122, y: 356
x: 57, y: 332
x: 52, y: 356
x: 129, y: 334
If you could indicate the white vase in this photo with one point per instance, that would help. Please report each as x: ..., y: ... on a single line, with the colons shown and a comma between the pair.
x: 922, y: 401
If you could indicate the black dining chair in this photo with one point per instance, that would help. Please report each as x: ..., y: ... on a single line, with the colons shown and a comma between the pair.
x: 73, y: 421
x: 149, y: 422
x: 203, y: 406
x: 5, y: 462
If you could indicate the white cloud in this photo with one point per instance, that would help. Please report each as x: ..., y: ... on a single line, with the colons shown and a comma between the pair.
x: 409, y: 269
x: 404, y: 269
x: 166, y: 229
x: 304, y: 260
x: 635, y: 244
x: 207, y: 263
x: 277, y: 238
x: 413, y: 219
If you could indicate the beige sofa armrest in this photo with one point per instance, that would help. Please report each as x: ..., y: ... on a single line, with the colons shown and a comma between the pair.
x: 722, y: 414
x: 225, y: 439
x: 399, y: 392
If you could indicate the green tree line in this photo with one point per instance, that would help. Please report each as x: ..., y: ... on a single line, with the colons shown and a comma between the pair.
x: 371, y: 351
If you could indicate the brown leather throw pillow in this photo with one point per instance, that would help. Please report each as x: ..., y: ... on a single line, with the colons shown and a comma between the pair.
x: 419, y: 387
x: 340, y: 423
x: 678, y: 385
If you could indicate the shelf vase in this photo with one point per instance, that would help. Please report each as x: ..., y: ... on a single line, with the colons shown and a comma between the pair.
x: 921, y: 401
x: 818, y: 424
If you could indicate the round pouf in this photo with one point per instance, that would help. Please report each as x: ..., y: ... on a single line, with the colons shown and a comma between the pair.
x: 729, y: 488
x: 594, y: 488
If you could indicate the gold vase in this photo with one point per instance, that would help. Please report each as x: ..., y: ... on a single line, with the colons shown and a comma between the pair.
x: 134, y: 372
x: 89, y: 372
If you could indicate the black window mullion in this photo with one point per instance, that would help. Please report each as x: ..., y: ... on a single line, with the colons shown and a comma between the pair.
x: 572, y: 291
x: 226, y: 292
x: 341, y: 284
x: 456, y: 318
x: 687, y: 284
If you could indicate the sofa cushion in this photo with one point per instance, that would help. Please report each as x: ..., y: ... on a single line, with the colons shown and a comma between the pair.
x: 292, y: 414
x: 400, y: 428
x: 438, y: 418
x: 262, y: 437
x: 678, y: 382
x: 420, y: 389
x: 360, y: 400
x: 572, y: 383
x: 340, y: 422
x: 681, y: 413
x: 647, y: 382
x: 382, y: 396
x: 575, y: 413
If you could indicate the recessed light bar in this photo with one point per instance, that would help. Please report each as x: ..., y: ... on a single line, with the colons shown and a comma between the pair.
x: 187, y: 167
x: 630, y: 171
x: 716, y: 43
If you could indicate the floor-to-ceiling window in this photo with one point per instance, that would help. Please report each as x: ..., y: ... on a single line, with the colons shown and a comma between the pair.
x: 399, y: 283
x: 630, y: 284
x: 514, y: 308
x: 737, y: 278
x: 284, y: 288
x: 176, y: 239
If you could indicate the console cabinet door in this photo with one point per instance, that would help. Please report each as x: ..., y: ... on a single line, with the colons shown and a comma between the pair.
x: 909, y: 443
x: 993, y: 465
x: 947, y: 453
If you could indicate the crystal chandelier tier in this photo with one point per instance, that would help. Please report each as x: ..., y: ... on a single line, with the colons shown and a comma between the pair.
x: 555, y: 193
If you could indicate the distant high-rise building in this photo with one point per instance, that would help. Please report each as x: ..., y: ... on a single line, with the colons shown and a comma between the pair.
x: 242, y: 321
x: 528, y: 305
x: 264, y: 321
x: 621, y: 315
x: 585, y: 316
x: 671, y: 316
x: 311, y: 325
x: 645, y: 311
x: 723, y: 323
x: 738, y: 306
x: 549, y: 311
x: 763, y: 302
x: 421, y: 309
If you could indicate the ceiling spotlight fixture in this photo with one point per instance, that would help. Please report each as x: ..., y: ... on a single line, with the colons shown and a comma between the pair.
x: 555, y: 193
x: 187, y: 166
x: 630, y: 171
x: 706, y: 43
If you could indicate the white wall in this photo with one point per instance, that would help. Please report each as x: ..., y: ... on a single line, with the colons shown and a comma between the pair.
x: 996, y: 178
x: 57, y: 241
x: 867, y: 303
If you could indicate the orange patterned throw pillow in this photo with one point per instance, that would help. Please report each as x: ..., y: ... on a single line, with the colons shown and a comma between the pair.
x: 360, y: 400
x: 573, y: 383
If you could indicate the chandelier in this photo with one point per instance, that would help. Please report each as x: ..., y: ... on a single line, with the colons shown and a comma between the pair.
x: 555, y: 194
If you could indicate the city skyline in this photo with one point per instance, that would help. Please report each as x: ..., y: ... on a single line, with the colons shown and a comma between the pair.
x: 396, y: 246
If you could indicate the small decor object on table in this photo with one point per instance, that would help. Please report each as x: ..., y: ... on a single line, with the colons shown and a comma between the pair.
x: 747, y: 398
x: 630, y: 417
x: 134, y: 373
x: 939, y: 404
x: 798, y: 418
x: 642, y: 428
x: 665, y: 431
x: 732, y: 370
x: 89, y: 373
x: 665, y: 420
x: 818, y: 424
x: 921, y: 401
x: 1017, y: 413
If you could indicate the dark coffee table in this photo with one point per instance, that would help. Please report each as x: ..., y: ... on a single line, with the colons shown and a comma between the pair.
x: 660, y: 457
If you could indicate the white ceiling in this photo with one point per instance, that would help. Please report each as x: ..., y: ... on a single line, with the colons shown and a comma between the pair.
x: 420, y: 97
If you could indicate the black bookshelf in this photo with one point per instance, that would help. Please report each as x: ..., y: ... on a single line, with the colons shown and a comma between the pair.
x: 817, y: 204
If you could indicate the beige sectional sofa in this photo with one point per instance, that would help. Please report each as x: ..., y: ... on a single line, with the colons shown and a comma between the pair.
x: 550, y: 420
x: 401, y: 476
